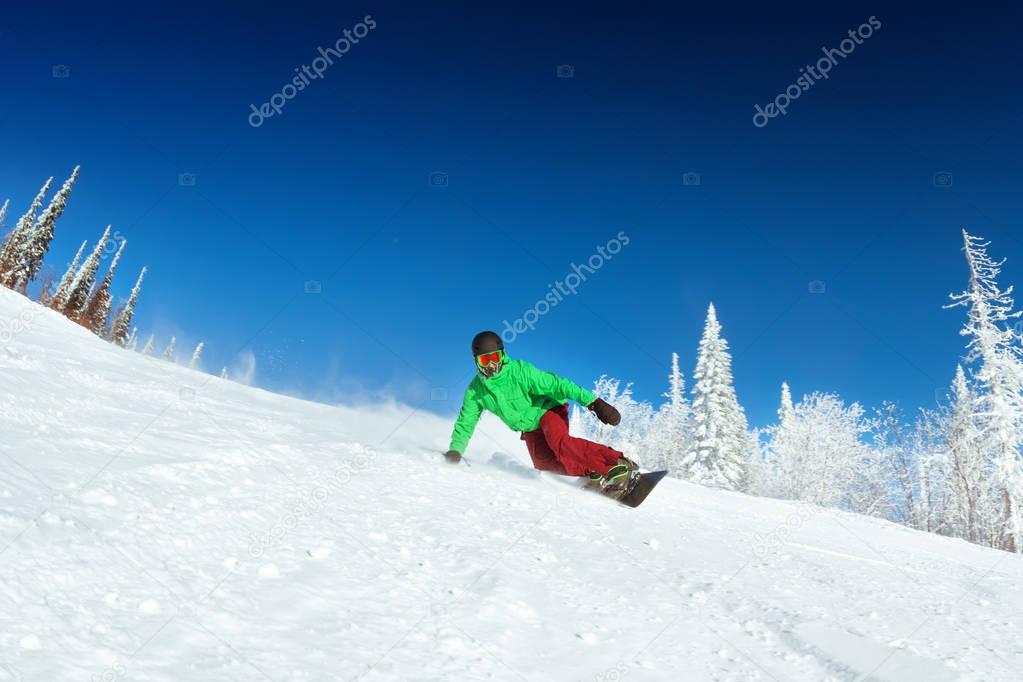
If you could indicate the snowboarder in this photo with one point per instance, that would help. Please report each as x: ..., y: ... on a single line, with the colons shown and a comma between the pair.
x: 532, y: 401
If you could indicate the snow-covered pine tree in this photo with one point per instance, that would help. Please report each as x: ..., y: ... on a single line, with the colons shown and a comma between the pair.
x: 718, y: 455
x: 194, y: 362
x: 3, y: 212
x: 13, y: 248
x: 59, y: 299
x: 119, y: 330
x: 998, y: 347
x: 115, y: 315
x: 670, y: 429
x: 223, y: 372
x: 169, y: 353
x: 785, y: 409
x: 148, y: 348
x: 38, y: 242
x: 81, y: 286
x: 133, y: 339
x: 769, y: 461
x: 98, y: 309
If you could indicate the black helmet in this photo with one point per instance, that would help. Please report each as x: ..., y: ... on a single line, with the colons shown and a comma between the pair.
x: 487, y: 342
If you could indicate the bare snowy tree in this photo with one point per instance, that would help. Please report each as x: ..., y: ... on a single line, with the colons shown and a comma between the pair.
x: 631, y: 434
x: 816, y: 454
x: 971, y: 509
x: 998, y: 348
x: 46, y: 279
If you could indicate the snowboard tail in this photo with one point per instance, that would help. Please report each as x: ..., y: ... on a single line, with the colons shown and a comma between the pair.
x: 643, y: 486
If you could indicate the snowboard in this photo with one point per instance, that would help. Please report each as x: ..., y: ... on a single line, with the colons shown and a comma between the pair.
x: 637, y: 492
x: 643, y: 487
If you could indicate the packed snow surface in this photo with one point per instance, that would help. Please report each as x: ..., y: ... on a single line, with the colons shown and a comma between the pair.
x: 157, y: 523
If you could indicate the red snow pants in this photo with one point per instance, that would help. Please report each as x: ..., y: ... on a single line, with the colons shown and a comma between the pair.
x: 552, y: 449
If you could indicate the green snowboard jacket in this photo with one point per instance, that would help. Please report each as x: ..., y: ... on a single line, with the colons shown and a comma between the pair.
x: 519, y: 395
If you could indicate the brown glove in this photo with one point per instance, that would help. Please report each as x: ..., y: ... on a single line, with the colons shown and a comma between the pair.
x: 453, y: 457
x: 605, y: 413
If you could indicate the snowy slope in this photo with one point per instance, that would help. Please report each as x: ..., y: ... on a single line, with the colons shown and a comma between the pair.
x: 160, y: 524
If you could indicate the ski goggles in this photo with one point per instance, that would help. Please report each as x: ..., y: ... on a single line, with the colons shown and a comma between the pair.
x: 484, y: 359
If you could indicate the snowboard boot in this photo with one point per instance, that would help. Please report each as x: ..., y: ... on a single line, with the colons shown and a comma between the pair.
x: 617, y: 481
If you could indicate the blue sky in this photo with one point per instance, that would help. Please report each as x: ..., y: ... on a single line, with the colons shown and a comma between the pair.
x: 540, y: 170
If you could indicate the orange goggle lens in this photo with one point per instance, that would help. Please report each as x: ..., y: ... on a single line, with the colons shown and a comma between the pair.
x: 485, y: 359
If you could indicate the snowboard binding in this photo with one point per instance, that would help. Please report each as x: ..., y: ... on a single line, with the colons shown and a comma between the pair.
x: 625, y: 484
x: 618, y: 481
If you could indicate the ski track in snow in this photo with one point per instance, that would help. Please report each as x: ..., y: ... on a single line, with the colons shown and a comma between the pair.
x: 161, y: 524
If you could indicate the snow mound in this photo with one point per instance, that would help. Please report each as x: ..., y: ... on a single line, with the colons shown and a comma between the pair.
x: 161, y: 524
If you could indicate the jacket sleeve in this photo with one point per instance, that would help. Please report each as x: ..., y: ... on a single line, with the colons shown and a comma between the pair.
x: 550, y: 384
x: 468, y: 417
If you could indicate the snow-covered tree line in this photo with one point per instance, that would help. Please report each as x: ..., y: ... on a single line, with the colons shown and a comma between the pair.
x: 80, y: 294
x: 705, y: 440
x: 956, y: 469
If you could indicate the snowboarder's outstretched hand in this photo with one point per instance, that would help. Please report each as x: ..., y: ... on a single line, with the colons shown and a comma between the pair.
x: 605, y: 413
x: 453, y: 457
